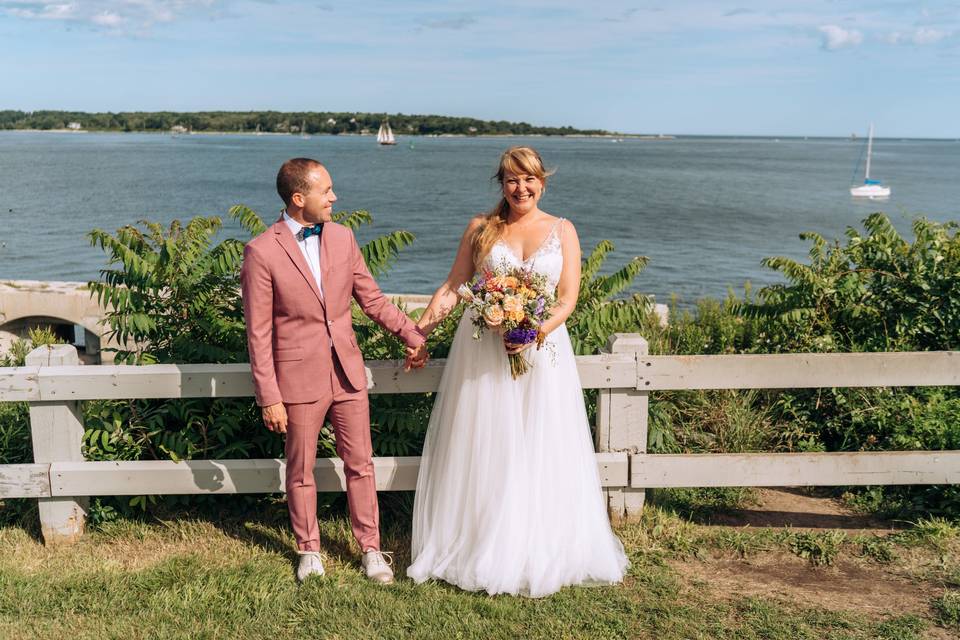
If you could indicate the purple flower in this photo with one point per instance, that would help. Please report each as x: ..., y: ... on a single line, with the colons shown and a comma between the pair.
x: 520, y: 336
x: 540, y: 304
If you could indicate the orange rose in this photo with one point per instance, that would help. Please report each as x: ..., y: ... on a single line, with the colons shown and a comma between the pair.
x: 516, y: 316
x: 493, y: 315
x: 509, y: 282
x: 512, y: 304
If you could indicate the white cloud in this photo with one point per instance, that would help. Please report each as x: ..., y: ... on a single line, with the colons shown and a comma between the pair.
x: 110, y: 15
x: 920, y: 36
x: 835, y: 37
x: 107, y: 19
x: 924, y: 35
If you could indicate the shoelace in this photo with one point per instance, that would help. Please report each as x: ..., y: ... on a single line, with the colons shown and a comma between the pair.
x: 381, y: 557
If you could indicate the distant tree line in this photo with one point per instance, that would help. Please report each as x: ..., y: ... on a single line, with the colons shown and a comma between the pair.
x: 310, y: 122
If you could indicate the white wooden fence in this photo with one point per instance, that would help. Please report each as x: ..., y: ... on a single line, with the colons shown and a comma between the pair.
x: 53, y: 383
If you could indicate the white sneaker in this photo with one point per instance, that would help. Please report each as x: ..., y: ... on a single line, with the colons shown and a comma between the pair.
x: 310, y: 565
x: 376, y: 564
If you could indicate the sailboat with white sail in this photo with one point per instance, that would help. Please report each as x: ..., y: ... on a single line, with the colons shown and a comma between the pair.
x: 385, y: 134
x: 870, y: 188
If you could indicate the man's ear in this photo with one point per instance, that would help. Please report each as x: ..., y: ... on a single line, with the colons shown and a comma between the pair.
x: 297, y: 199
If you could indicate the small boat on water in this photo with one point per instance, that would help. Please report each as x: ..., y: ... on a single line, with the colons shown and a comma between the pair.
x: 872, y: 189
x: 385, y: 134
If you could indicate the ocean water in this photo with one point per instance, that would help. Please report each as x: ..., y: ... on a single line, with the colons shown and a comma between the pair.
x: 705, y: 210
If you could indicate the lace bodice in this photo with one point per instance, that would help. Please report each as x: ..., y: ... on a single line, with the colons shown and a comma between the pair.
x: 547, y: 259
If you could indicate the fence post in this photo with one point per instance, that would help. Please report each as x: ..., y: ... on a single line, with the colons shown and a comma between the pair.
x: 622, y: 426
x: 56, y: 428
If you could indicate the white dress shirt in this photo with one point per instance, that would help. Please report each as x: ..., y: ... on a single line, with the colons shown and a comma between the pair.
x: 309, y: 247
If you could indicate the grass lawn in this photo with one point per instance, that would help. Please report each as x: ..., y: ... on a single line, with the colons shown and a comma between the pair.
x: 232, y: 577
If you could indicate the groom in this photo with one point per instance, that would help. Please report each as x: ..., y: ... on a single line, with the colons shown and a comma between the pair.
x: 298, y: 278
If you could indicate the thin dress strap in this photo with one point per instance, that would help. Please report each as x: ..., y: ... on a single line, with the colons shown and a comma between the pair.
x: 559, y: 223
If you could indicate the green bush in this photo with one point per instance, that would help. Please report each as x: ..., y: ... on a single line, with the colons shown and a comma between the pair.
x: 174, y: 295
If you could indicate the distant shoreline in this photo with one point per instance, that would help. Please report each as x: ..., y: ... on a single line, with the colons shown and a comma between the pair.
x: 601, y: 136
x: 632, y: 136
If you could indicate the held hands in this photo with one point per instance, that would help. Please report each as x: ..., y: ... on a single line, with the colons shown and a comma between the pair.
x: 416, y: 357
x: 275, y: 417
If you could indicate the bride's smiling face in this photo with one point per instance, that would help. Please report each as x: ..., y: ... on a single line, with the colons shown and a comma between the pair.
x: 522, y: 191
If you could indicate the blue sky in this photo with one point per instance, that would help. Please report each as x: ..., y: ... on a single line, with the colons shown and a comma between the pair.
x: 770, y: 68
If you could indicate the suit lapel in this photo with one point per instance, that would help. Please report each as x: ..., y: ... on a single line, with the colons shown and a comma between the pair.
x: 326, y: 245
x: 289, y: 245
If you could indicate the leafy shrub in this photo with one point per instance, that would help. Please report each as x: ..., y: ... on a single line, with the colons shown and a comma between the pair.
x: 875, y: 292
x: 174, y: 296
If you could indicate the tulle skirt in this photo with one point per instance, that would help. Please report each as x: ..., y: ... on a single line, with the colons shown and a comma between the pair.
x: 508, y: 499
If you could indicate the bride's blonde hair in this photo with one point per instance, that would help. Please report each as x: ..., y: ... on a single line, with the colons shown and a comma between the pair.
x: 515, y: 160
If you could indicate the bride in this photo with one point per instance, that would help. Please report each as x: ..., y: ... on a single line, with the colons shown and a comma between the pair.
x: 508, y: 499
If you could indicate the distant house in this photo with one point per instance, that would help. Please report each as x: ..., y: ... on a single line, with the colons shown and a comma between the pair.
x: 74, y: 126
x: 331, y: 121
x: 178, y: 128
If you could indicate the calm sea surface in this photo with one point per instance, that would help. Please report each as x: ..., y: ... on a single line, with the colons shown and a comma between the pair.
x: 705, y: 210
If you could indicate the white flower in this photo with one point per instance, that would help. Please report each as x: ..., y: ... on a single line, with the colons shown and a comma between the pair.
x: 465, y: 293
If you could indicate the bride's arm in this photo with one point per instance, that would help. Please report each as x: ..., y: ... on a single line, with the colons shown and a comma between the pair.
x: 568, y: 288
x: 445, y: 298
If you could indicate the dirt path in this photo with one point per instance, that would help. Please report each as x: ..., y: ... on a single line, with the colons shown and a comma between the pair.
x: 801, y: 509
x: 861, y: 589
x: 854, y: 585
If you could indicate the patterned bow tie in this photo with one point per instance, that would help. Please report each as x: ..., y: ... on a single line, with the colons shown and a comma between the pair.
x: 306, y: 232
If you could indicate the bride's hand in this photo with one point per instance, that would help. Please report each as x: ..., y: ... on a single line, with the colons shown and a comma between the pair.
x: 513, y: 348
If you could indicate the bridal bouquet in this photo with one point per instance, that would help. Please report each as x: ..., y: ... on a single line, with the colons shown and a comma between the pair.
x: 513, y: 302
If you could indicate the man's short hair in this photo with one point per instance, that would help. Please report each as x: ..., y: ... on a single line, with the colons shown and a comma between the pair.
x: 294, y: 177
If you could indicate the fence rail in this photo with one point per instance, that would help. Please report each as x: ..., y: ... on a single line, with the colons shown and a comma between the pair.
x: 61, y: 480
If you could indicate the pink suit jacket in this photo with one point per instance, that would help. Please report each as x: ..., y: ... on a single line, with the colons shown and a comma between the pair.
x: 290, y: 326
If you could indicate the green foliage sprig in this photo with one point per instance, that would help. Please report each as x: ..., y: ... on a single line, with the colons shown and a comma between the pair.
x: 171, y: 295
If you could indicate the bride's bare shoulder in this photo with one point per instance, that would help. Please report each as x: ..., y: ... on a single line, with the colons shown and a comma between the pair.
x: 476, y: 223
x: 563, y: 224
x: 567, y: 233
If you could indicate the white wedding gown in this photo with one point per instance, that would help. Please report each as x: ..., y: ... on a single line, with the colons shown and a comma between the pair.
x: 508, y: 499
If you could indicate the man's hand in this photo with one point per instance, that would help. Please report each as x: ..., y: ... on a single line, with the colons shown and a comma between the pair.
x: 416, y: 357
x: 275, y: 417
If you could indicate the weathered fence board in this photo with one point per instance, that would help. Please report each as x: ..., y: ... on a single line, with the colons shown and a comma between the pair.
x: 622, y: 424
x: 19, y: 384
x: 56, y: 431
x: 24, y: 481
x: 799, y: 370
x: 247, y: 476
x: 795, y: 469
x: 235, y: 380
